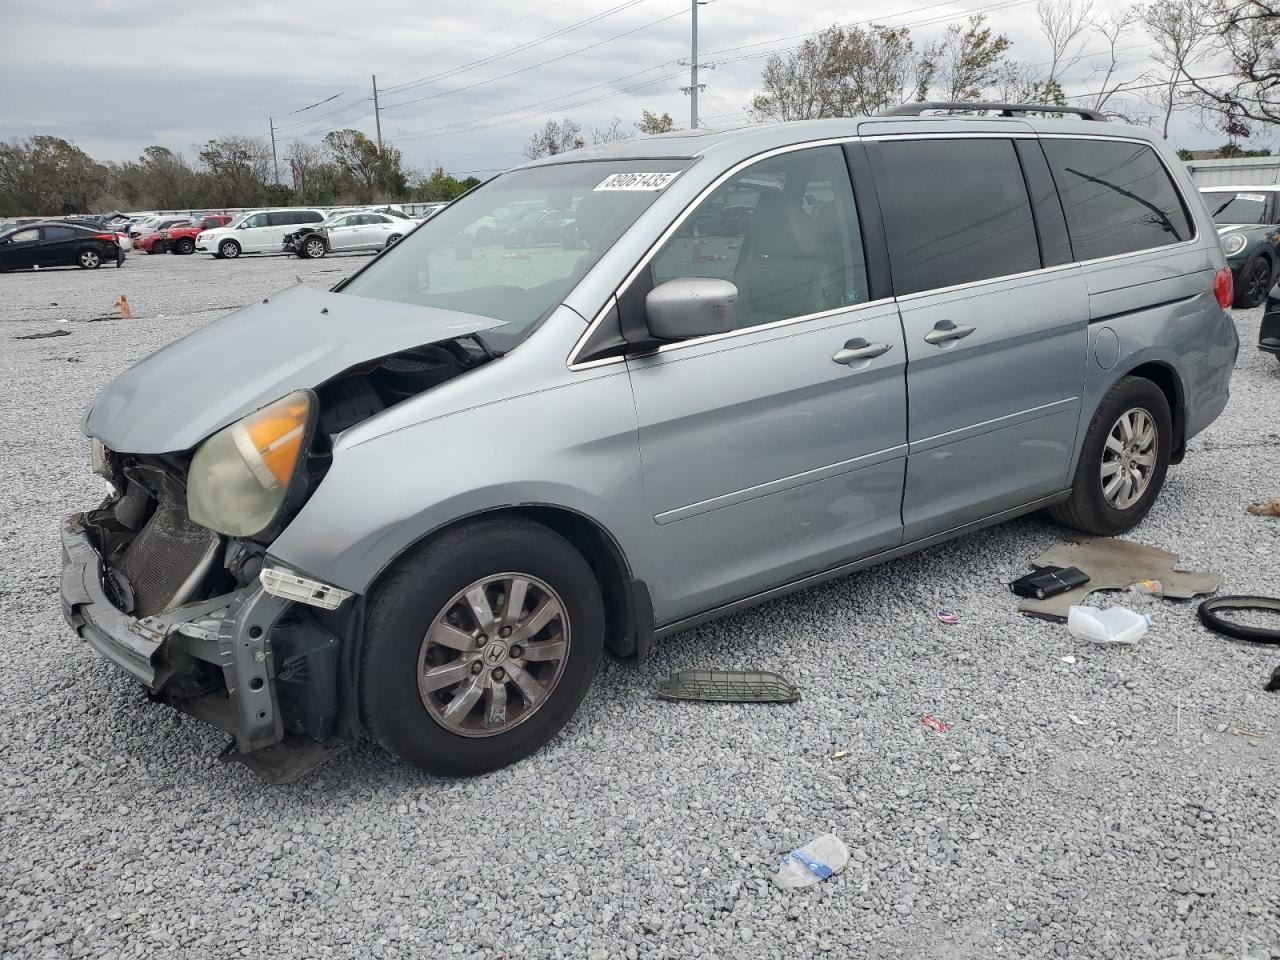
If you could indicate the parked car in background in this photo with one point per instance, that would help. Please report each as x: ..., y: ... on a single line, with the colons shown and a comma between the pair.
x: 181, y: 239
x: 7, y: 225
x: 1269, y: 334
x: 157, y: 241
x: 429, y: 211
x: 421, y: 505
x: 55, y: 244
x: 156, y: 225
x: 1248, y: 220
x: 259, y: 231
x: 540, y: 226
x: 346, y: 233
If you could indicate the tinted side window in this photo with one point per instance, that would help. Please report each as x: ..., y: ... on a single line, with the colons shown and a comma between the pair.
x: 1117, y: 196
x: 257, y: 220
x: 59, y: 233
x: 955, y: 211
x: 308, y: 216
x: 784, y: 231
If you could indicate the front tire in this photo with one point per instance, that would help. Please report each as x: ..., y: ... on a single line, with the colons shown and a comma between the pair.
x: 1123, y: 462
x: 228, y: 249
x: 186, y: 247
x: 480, y: 646
x: 314, y: 248
x: 1256, y: 277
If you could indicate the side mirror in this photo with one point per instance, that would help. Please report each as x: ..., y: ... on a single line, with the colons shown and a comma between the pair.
x: 690, y: 307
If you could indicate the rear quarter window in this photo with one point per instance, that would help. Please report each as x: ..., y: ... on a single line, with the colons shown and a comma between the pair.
x: 1117, y: 196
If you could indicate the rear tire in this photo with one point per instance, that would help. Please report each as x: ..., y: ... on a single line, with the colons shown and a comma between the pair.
x: 89, y: 259
x: 1119, y: 475
x: 509, y: 700
x: 391, y: 240
x: 228, y: 249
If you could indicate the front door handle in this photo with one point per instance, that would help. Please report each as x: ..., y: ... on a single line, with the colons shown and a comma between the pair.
x: 858, y: 349
x: 944, y: 331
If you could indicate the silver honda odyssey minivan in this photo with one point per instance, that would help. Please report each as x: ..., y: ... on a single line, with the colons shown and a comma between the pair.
x: 722, y: 365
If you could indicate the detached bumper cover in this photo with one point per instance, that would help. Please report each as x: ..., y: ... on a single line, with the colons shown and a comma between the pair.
x: 230, y: 632
x: 1269, y: 335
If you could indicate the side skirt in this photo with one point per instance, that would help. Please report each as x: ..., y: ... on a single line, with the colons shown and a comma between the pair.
x: 854, y: 566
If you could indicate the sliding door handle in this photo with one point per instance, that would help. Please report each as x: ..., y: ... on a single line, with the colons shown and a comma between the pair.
x: 945, y: 331
x: 858, y: 349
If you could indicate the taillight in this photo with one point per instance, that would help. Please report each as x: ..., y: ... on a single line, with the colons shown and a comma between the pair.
x: 108, y: 237
x: 1222, y: 287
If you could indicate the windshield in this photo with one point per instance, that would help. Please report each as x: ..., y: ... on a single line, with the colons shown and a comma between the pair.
x: 1237, y: 207
x: 513, y: 248
x: 239, y: 219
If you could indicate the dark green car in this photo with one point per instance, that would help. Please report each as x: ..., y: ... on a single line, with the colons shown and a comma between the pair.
x: 1248, y: 220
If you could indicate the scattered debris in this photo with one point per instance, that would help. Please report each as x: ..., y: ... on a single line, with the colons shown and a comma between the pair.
x: 122, y: 308
x: 1116, y: 626
x: 947, y: 616
x: 732, y: 686
x: 1049, y: 582
x: 1143, y: 591
x: 933, y: 723
x: 46, y: 333
x: 1113, y: 565
x: 821, y: 858
x: 1273, y: 685
x: 1210, y: 617
x: 1271, y: 509
x: 1077, y: 721
x: 1068, y: 659
x: 841, y: 754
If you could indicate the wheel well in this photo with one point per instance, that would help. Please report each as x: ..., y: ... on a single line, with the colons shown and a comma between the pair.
x: 628, y: 618
x: 1167, y: 380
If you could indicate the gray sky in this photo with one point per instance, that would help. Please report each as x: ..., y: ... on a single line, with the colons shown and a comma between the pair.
x: 185, y: 72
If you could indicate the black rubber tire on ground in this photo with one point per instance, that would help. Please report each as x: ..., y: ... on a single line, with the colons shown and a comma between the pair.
x: 313, y: 248
x: 89, y: 259
x: 391, y: 240
x: 159, y: 247
x: 411, y: 596
x: 186, y: 246
x: 1087, y: 509
x: 228, y: 249
x: 1256, y: 278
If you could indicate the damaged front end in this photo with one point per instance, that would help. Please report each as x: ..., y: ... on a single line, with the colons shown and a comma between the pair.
x: 171, y: 577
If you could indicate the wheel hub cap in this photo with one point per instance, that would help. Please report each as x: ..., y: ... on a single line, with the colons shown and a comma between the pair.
x: 493, y: 655
x: 1129, y: 458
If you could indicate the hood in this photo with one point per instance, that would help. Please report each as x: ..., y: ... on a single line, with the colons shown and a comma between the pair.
x: 173, y: 399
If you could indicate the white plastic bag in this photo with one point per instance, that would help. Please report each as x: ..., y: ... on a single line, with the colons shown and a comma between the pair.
x: 1116, y: 625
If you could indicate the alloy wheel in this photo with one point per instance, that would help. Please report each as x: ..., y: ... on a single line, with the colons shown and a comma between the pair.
x: 1256, y: 283
x: 89, y: 259
x: 1129, y: 458
x: 315, y: 248
x: 493, y: 655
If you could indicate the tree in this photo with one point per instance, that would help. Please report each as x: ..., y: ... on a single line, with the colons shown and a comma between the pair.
x: 554, y: 138
x: 47, y: 175
x: 1112, y: 27
x: 652, y: 124
x: 1245, y: 34
x: 970, y: 59
x: 441, y: 187
x: 610, y: 133
x: 842, y: 72
x: 236, y: 170
x: 370, y: 173
x: 1023, y: 83
x: 1064, y: 24
x: 1178, y: 35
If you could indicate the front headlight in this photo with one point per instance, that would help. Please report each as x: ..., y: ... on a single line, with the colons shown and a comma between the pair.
x: 240, y: 475
x: 1233, y: 243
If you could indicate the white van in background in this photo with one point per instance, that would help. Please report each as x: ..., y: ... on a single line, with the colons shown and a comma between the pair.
x: 258, y: 231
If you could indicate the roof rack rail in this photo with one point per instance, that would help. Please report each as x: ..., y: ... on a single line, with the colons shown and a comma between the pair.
x: 1005, y: 109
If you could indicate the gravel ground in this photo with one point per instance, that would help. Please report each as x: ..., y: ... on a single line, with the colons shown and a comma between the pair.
x: 649, y: 828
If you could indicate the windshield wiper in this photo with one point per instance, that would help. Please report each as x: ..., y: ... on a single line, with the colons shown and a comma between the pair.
x: 488, y: 351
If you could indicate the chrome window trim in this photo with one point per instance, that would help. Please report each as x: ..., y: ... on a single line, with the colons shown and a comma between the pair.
x: 649, y: 254
x: 666, y: 234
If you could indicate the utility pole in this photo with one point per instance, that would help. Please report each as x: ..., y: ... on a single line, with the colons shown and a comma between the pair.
x: 274, y: 162
x: 694, y: 86
x: 377, y: 116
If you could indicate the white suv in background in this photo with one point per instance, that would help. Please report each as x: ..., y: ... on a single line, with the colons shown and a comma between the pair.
x: 259, y: 231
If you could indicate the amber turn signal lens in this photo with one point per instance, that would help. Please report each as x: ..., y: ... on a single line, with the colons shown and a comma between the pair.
x: 273, y: 438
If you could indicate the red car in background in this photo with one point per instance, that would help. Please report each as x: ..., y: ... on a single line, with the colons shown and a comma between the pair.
x: 183, y: 239
x: 153, y: 240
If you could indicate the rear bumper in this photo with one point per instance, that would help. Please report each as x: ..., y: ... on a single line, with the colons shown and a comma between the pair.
x: 229, y: 632
x: 1269, y: 334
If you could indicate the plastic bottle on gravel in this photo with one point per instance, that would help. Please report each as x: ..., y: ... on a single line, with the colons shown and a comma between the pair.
x: 1115, y: 626
x: 820, y: 858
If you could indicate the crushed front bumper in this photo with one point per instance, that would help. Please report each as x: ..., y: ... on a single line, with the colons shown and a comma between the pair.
x: 230, y: 632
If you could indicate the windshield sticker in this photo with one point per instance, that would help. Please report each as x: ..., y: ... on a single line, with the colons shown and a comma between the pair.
x: 636, y: 181
x: 1256, y: 197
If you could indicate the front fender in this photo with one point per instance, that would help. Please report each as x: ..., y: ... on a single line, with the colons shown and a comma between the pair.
x: 573, y: 446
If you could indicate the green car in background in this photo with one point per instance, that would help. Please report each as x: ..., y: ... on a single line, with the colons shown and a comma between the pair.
x: 1248, y: 220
